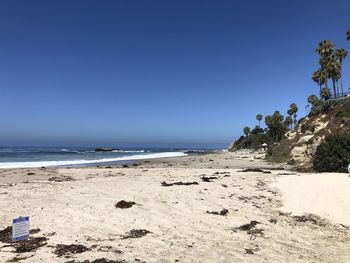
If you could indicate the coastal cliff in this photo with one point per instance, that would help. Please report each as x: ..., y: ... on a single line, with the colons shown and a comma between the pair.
x: 299, y: 145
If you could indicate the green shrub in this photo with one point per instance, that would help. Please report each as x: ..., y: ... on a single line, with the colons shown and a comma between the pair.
x: 333, y: 155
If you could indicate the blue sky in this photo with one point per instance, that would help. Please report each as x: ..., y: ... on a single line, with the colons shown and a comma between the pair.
x: 93, y: 72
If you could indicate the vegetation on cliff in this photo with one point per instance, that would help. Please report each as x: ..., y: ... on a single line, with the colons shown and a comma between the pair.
x: 333, y: 155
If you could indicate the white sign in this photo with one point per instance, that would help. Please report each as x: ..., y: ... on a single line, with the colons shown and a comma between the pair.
x: 20, y: 228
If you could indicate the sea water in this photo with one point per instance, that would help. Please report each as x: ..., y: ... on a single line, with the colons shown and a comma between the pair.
x: 26, y: 157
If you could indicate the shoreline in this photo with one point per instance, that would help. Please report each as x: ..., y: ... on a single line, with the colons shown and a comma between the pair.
x: 197, y: 208
x: 88, y: 162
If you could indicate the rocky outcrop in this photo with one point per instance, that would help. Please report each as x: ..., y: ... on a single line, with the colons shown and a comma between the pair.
x: 311, y: 131
x: 104, y: 149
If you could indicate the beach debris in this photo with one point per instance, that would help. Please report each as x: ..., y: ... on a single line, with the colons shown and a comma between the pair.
x: 249, y: 251
x: 30, y: 245
x: 5, y: 235
x: 250, y: 229
x: 67, y: 250
x: 50, y: 234
x: 208, y: 178
x: 99, y: 260
x: 178, y: 183
x: 62, y: 178
x: 224, y: 185
x: 136, y: 233
x: 34, y: 231
x: 313, y: 219
x: 223, y: 212
x: 18, y: 258
x: 257, y: 170
x: 244, y: 198
x: 266, y: 172
x: 107, y: 249
x: 30, y: 173
x: 273, y: 220
x: 247, y: 227
x: 124, y: 204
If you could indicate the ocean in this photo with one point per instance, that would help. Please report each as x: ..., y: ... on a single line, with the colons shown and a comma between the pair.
x: 29, y: 157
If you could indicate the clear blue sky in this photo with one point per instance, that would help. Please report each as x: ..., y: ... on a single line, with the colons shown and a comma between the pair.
x: 75, y: 72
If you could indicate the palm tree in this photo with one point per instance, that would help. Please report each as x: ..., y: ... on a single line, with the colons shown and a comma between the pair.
x: 325, y: 93
x: 340, y: 54
x: 246, y: 131
x: 293, y: 109
x: 348, y: 34
x: 325, y: 71
x: 276, y: 125
x: 288, y: 121
x: 313, y: 100
x: 325, y: 48
x: 259, y: 118
x: 334, y: 73
x: 316, y: 76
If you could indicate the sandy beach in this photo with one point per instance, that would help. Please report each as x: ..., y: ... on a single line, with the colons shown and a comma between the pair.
x: 198, y: 208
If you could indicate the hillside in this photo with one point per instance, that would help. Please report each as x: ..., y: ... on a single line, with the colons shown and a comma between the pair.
x: 299, y: 144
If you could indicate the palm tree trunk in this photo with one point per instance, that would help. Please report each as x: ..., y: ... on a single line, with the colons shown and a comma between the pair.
x: 337, y: 84
x: 334, y: 88
x: 341, y: 81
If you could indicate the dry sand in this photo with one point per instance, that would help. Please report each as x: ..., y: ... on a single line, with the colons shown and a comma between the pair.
x: 181, y: 222
x: 326, y: 194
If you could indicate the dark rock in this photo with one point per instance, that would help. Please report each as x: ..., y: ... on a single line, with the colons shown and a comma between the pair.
x: 124, y: 204
x: 104, y: 149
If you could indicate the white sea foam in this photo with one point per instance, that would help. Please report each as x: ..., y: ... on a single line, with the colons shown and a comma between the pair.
x: 77, y: 162
x: 122, y: 151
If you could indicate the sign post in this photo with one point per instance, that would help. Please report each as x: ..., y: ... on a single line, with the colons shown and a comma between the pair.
x: 20, y: 228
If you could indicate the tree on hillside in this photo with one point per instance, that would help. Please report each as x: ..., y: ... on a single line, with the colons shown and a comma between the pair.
x: 334, y: 74
x: 348, y: 34
x: 325, y: 49
x: 276, y: 126
x: 288, y: 121
x: 318, y: 77
x: 293, y: 109
x: 246, y: 131
x: 339, y: 56
x: 257, y: 130
x: 313, y: 100
x: 259, y: 118
x: 325, y: 93
x: 331, y: 63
